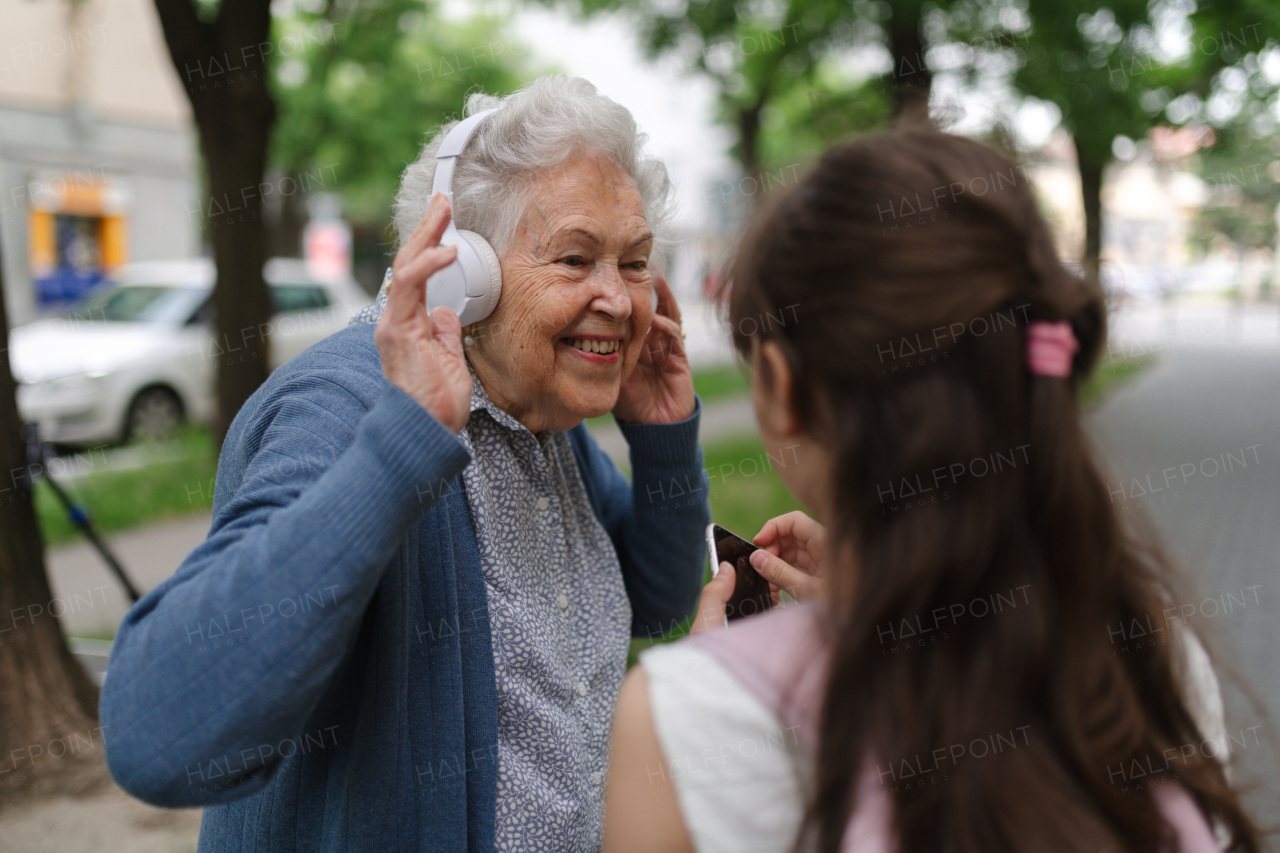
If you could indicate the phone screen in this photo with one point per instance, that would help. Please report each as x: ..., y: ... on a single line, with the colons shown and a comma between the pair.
x: 751, y: 593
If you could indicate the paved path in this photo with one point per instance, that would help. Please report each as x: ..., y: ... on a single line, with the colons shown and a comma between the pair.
x: 87, y: 596
x: 1194, y: 442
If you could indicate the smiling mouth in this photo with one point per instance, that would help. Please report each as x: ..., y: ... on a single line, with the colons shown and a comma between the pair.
x: 593, y: 346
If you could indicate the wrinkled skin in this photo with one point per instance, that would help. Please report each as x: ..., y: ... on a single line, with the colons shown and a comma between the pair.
x: 578, y: 266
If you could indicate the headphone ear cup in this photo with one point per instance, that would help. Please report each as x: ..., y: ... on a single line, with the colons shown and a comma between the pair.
x: 493, y: 269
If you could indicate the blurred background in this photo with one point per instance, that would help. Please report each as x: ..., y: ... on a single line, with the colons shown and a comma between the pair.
x: 193, y: 192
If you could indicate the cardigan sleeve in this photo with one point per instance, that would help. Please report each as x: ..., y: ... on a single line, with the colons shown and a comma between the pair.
x: 228, y: 657
x: 657, y: 521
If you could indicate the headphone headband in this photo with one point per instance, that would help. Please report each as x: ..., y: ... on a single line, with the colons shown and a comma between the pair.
x: 451, y: 147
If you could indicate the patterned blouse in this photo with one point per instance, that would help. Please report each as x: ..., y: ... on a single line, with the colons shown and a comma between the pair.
x: 561, y: 625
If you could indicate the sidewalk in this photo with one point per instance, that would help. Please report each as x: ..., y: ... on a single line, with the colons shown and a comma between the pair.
x: 1152, y: 327
x: 98, y: 822
x: 1193, y: 444
x: 87, y: 596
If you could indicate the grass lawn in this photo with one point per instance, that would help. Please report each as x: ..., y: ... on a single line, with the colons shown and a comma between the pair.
x: 711, y: 383
x: 1108, y: 376
x: 175, y: 478
x: 745, y: 488
x: 745, y: 493
x: 714, y: 383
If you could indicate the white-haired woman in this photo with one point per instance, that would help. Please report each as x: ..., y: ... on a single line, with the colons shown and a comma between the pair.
x: 410, y: 620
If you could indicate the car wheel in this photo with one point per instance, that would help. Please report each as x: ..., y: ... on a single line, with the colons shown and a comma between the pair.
x: 153, y: 414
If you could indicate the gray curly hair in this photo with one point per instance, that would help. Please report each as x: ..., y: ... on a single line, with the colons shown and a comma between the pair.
x: 535, y: 128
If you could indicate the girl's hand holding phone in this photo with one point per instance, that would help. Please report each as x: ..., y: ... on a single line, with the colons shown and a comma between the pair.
x: 793, y: 551
x: 791, y: 557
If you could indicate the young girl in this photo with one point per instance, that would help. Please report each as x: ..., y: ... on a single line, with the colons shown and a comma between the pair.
x: 963, y: 673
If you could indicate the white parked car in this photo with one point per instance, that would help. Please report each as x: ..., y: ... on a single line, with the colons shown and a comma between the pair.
x: 140, y: 355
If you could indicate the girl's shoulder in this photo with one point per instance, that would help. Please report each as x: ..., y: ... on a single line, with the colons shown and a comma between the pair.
x: 737, y: 769
x: 780, y: 657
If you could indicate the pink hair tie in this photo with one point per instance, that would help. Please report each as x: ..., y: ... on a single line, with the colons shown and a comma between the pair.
x: 1050, y: 348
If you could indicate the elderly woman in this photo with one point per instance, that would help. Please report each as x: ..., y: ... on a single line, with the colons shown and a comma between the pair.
x: 410, y: 620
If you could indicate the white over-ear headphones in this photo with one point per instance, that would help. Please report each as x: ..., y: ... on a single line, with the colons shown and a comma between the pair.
x: 471, y: 284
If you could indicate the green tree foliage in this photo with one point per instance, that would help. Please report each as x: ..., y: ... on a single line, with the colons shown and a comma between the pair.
x: 1094, y: 65
x: 1243, y: 183
x: 756, y: 54
x: 368, y: 82
x: 806, y: 120
x: 1109, y: 71
x: 1232, y: 94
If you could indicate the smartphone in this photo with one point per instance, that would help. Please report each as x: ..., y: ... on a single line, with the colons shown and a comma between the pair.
x: 751, y: 593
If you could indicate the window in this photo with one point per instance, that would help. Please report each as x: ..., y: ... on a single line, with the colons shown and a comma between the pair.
x: 287, y: 298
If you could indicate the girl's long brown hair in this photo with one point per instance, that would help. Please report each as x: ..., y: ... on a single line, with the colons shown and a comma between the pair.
x: 986, y: 586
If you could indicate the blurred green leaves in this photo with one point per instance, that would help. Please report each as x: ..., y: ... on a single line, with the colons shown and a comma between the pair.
x: 765, y: 61
x: 367, y: 83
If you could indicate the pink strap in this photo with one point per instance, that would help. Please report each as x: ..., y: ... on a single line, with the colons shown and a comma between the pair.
x: 1050, y: 348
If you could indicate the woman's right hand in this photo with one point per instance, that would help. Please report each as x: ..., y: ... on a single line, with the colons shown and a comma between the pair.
x: 792, y: 556
x: 421, y: 352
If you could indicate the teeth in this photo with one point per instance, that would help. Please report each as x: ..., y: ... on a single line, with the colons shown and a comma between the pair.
x: 600, y: 347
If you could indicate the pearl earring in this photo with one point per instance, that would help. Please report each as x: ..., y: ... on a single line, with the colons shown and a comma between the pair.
x: 468, y: 340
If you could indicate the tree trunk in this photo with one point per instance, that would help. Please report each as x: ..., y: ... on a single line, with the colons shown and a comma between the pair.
x: 285, y: 228
x: 222, y: 65
x: 910, y: 78
x: 49, y: 735
x: 1091, y: 169
x: 235, y: 150
x: 749, y: 145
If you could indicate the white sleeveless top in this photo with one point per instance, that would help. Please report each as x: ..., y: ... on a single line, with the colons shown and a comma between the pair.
x: 739, y: 755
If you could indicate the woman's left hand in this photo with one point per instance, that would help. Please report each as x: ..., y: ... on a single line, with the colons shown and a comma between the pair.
x: 713, y: 607
x: 660, y: 389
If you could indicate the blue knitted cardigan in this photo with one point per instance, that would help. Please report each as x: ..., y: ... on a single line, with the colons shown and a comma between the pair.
x: 318, y: 673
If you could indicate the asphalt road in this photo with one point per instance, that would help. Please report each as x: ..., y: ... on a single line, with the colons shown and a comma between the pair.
x: 1194, y: 444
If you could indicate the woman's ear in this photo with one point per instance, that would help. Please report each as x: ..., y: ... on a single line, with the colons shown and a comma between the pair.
x: 773, y: 391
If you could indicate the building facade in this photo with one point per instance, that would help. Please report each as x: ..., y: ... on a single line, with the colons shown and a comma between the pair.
x: 99, y: 160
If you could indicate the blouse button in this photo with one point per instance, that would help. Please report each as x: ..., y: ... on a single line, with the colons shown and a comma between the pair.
x: 562, y: 601
x: 543, y: 503
x: 582, y: 689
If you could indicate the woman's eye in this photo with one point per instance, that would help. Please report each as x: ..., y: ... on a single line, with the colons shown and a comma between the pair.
x: 573, y: 261
x: 638, y: 265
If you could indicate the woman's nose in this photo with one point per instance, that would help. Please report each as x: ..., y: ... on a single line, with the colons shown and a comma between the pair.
x: 609, y: 295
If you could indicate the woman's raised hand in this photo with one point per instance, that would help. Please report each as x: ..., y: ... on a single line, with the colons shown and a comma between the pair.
x: 421, y: 352
x: 660, y: 389
x: 793, y: 550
